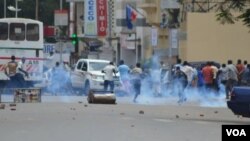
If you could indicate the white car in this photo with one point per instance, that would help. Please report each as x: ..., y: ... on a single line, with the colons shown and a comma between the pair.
x: 87, y: 74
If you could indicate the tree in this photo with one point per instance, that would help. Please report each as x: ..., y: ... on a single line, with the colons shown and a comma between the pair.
x: 228, y: 6
x: 42, y: 10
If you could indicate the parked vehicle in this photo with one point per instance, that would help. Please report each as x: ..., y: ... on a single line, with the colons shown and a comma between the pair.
x: 22, y: 37
x: 87, y: 74
x: 239, y: 101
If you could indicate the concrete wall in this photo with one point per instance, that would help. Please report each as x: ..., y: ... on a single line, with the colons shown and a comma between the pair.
x: 207, y: 39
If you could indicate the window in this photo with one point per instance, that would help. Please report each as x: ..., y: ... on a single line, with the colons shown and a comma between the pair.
x: 3, y: 31
x: 97, y: 66
x: 79, y: 65
x: 32, y: 32
x: 17, y: 31
x: 85, y: 66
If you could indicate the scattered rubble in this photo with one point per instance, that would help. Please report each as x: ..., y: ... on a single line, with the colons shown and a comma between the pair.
x: 85, y: 105
x: 12, y: 104
x: 141, y: 112
x: 177, y: 116
x: 2, y: 106
x: 122, y: 113
x: 80, y: 102
x: 13, y: 109
x: 132, y: 125
x: 201, y: 115
x: 216, y: 112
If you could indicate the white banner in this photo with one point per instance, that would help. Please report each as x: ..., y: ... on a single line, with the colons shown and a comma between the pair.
x: 61, y: 17
x: 90, y: 24
x: 173, y: 38
x: 154, y: 37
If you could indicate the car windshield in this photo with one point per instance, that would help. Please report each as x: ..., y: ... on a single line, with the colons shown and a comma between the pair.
x: 97, y: 66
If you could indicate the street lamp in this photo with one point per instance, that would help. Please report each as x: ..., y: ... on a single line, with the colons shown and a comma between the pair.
x: 11, y: 8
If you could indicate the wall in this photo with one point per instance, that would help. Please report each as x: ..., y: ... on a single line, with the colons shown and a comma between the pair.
x: 207, y: 39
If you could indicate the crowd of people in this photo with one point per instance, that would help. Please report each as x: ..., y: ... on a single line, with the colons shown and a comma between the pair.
x: 162, y: 79
x: 159, y: 78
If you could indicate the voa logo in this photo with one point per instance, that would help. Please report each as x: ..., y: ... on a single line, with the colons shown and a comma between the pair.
x: 236, y: 132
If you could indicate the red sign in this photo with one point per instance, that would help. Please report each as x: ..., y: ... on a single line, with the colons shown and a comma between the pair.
x: 101, y: 17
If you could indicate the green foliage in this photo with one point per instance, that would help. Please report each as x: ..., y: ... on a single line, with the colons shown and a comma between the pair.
x: 28, y: 9
x: 226, y: 8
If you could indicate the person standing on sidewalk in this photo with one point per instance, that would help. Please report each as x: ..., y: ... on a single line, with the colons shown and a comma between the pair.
x: 109, y: 70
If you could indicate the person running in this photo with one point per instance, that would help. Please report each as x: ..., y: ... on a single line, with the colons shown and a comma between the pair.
x: 124, y: 76
x: 240, y: 69
x: 232, y: 77
x: 207, y: 73
x: 136, y: 80
x: 21, y: 73
x: 109, y: 70
x: 180, y: 83
x: 11, y: 71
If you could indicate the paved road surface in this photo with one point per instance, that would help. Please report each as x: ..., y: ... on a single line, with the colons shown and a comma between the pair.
x: 72, y: 118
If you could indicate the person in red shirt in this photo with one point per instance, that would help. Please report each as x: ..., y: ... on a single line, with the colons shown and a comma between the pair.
x: 207, y: 72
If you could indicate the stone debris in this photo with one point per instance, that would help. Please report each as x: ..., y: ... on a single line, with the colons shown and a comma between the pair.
x: 13, y: 109
x: 73, y: 118
x: 12, y: 104
x: 216, y: 112
x: 85, y: 105
x: 177, y: 116
x: 80, y: 102
x: 132, y: 125
x: 187, y: 114
x: 72, y: 108
x: 201, y: 115
x: 122, y: 113
x: 2, y: 106
x: 141, y: 112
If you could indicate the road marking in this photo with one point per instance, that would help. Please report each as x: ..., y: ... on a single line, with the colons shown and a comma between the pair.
x: 163, y: 120
x: 127, y: 118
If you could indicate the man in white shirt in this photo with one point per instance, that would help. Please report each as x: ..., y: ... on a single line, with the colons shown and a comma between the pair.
x: 49, y: 62
x: 109, y: 70
x: 21, y: 73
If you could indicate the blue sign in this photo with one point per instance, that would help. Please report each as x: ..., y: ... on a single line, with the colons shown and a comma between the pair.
x: 49, y: 48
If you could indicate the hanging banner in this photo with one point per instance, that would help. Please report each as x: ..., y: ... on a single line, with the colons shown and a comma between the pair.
x: 90, y: 18
x: 154, y: 36
x: 102, y: 17
x: 173, y: 38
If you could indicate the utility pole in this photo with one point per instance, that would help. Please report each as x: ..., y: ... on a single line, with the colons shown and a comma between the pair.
x: 4, y: 8
x: 110, y: 30
x: 61, y: 5
x: 37, y: 6
x: 16, y: 8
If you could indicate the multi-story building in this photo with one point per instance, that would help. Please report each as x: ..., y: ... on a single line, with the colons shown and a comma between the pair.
x: 200, y: 36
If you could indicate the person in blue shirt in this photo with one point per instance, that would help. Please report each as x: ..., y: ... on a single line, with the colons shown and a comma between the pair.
x: 124, y: 75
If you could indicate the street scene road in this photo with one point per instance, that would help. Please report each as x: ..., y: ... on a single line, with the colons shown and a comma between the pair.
x: 72, y: 118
